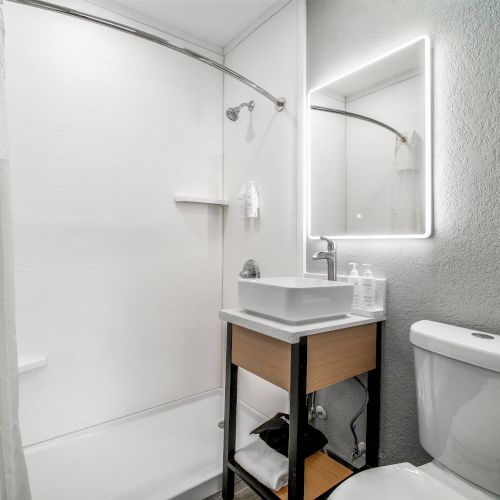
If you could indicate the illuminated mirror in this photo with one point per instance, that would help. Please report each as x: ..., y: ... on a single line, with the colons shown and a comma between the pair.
x: 369, y: 149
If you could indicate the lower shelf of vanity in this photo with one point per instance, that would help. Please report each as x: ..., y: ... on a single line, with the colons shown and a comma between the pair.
x: 321, y: 474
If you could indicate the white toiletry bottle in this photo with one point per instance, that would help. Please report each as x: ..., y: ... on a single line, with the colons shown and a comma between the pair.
x: 252, y: 201
x: 242, y: 202
x: 367, y: 286
x: 354, y: 279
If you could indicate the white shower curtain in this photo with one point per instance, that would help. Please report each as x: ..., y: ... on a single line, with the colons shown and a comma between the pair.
x: 13, y: 474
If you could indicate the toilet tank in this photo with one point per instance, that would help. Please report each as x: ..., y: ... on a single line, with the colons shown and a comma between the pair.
x: 458, y: 395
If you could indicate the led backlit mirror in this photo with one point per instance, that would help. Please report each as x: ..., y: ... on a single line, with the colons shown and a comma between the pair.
x: 369, y: 149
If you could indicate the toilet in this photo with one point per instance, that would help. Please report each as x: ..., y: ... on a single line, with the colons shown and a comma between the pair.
x: 458, y: 396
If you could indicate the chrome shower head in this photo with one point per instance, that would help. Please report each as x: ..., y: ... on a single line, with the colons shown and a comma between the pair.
x: 233, y: 113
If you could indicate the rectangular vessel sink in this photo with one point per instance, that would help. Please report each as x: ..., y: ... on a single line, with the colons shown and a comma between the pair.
x: 295, y: 300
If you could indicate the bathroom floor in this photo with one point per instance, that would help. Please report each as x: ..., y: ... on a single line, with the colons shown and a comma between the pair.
x: 174, y: 451
x: 242, y: 492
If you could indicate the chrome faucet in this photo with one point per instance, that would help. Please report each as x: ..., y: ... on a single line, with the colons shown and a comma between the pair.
x: 331, y: 258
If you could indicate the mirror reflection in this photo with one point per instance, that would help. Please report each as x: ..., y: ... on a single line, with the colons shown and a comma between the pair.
x: 369, y: 151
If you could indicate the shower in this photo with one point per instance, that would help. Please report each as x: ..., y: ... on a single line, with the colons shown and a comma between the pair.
x: 233, y: 113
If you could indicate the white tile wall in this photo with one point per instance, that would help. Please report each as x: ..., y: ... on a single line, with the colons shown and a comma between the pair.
x: 116, y: 284
x: 262, y: 146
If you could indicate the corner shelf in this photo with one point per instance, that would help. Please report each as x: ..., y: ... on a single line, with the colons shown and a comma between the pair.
x: 180, y: 198
x: 29, y: 363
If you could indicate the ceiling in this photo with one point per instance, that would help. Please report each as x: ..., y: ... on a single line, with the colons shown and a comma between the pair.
x: 216, y: 22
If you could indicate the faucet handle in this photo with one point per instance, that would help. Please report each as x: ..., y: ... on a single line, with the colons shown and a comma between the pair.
x: 331, y: 243
x: 250, y: 270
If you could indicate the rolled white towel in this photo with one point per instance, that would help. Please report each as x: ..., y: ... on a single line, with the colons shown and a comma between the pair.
x: 265, y: 464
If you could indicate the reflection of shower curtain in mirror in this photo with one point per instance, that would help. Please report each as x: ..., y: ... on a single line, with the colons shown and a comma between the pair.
x: 13, y: 475
x: 406, y: 197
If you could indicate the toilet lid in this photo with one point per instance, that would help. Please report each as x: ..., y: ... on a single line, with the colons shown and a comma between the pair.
x: 394, y: 482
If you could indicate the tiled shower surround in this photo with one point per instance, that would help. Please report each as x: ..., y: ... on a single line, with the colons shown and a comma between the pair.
x: 104, y: 130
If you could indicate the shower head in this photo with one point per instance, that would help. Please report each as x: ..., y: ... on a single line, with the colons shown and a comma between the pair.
x: 232, y: 113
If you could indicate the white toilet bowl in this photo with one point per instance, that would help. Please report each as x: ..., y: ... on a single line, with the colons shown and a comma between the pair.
x: 407, y: 482
x: 458, y: 385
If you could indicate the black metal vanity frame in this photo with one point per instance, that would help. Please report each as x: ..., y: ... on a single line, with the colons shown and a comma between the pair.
x: 298, y: 423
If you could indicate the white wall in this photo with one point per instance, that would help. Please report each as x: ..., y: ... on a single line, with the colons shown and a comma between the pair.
x: 262, y: 146
x: 451, y: 277
x: 104, y: 129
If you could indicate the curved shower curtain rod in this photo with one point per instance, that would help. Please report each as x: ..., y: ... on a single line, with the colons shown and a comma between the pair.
x: 278, y: 101
x: 361, y: 117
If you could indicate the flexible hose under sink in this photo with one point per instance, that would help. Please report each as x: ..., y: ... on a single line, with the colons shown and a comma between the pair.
x: 358, y: 451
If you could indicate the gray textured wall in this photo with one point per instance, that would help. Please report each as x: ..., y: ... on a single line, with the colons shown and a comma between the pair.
x: 454, y: 276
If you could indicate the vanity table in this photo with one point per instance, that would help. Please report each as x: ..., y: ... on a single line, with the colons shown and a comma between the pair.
x: 300, y: 359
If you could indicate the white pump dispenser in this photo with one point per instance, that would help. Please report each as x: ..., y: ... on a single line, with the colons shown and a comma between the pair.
x: 369, y: 292
x: 354, y: 269
x: 367, y: 284
x: 354, y: 279
x: 368, y: 270
x: 242, y: 202
x: 252, y: 201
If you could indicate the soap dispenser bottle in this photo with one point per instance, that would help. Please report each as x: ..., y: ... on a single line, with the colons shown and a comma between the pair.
x: 242, y: 202
x: 354, y: 279
x: 252, y: 201
x: 367, y: 285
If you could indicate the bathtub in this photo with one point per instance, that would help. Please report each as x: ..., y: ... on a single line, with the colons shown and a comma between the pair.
x: 170, y: 452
